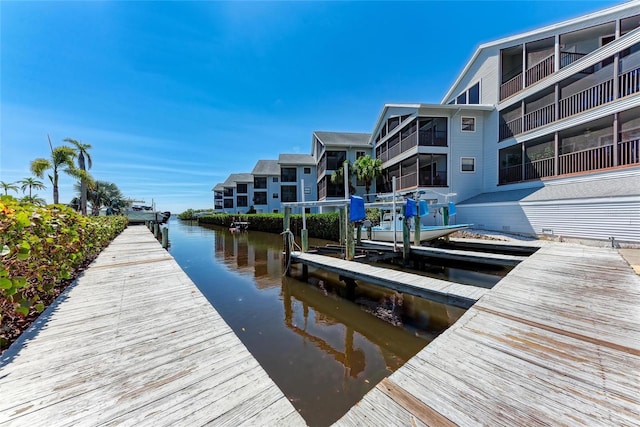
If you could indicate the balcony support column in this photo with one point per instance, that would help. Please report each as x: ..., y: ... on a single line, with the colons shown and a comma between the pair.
x: 556, y: 53
x: 524, y: 152
x: 556, y: 149
x: 556, y: 102
x: 616, y: 129
x: 616, y: 79
x: 524, y: 65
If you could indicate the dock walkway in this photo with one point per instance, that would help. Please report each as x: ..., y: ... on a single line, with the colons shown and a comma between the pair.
x: 413, y: 284
x: 134, y: 342
x: 556, y: 342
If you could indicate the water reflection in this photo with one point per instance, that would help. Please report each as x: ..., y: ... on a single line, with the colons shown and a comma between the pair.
x: 323, y: 351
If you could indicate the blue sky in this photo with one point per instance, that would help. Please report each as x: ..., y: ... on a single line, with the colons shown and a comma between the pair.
x: 175, y: 96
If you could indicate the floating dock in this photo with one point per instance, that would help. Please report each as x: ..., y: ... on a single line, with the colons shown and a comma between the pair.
x: 133, y: 341
x: 413, y: 284
x: 556, y: 342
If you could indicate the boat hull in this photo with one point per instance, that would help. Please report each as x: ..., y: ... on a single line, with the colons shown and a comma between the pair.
x: 426, y: 233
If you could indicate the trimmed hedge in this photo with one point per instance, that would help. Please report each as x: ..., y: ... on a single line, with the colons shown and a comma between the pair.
x: 322, y: 226
x: 41, y: 249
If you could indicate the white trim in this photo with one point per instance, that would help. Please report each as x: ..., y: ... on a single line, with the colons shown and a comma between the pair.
x: 474, y: 165
x: 462, y: 124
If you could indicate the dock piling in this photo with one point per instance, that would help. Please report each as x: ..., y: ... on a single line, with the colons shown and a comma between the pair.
x: 165, y: 237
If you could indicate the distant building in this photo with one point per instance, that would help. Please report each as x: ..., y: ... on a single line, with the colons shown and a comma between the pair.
x: 330, y: 150
x: 295, y: 168
x: 266, y: 186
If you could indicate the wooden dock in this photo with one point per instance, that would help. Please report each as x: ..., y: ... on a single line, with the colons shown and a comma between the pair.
x: 134, y: 342
x: 424, y: 287
x: 454, y: 254
x: 556, y: 342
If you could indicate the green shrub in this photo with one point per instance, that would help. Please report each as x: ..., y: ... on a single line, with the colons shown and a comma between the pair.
x: 42, y: 248
x: 322, y: 226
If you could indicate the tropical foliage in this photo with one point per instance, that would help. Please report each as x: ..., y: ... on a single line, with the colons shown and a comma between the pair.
x: 61, y: 161
x: 6, y: 186
x: 104, y: 194
x: 41, y: 249
x: 82, y: 152
x: 31, y: 184
x: 337, y: 176
x: 322, y: 226
x: 367, y: 170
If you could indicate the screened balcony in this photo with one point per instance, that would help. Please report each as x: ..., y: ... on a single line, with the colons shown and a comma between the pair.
x: 590, y: 88
x: 424, y: 131
x: 580, y: 150
x: 424, y: 170
x: 526, y: 64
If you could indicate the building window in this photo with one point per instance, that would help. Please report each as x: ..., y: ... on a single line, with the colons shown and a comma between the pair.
x: 307, y: 171
x: 360, y: 154
x: 242, y: 201
x: 288, y: 175
x: 228, y: 203
x: 260, y: 182
x: 462, y: 98
x: 468, y: 124
x: 474, y: 94
x: 228, y: 192
x: 275, y: 179
x: 241, y: 188
x: 289, y: 193
x: 260, y: 198
x: 275, y: 195
x: 467, y: 164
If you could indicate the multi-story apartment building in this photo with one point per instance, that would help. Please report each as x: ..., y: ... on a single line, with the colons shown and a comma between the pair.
x: 234, y: 194
x: 266, y: 186
x: 539, y: 134
x: 295, y: 168
x: 330, y: 150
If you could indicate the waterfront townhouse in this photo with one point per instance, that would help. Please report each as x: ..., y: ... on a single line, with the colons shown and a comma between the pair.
x: 266, y: 186
x: 294, y: 169
x: 432, y: 149
x: 330, y: 150
x: 561, y: 148
x: 539, y: 134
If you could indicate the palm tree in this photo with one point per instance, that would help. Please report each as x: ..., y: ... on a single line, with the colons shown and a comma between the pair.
x: 61, y: 160
x: 31, y: 183
x: 337, y: 176
x: 367, y: 169
x: 6, y: 186
x: 81, y: 152
x: 39, y: 201
x: 105, y: 194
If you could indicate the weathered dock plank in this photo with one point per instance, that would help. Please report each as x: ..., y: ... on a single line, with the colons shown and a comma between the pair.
x: 134, y: 342
x: 425, y: 287
x: 556, y: 342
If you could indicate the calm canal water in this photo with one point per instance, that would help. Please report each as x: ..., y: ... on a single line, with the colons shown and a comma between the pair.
x: 323, y: 351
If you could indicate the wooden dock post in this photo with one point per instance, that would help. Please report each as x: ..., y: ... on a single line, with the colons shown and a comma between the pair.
x: 406, y: 239
x: 341, y: 226
x: 156, y: 229
x: 287, y: 240
x: 165, y: 237
x: 304, y: 234
x: 350, y: 249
